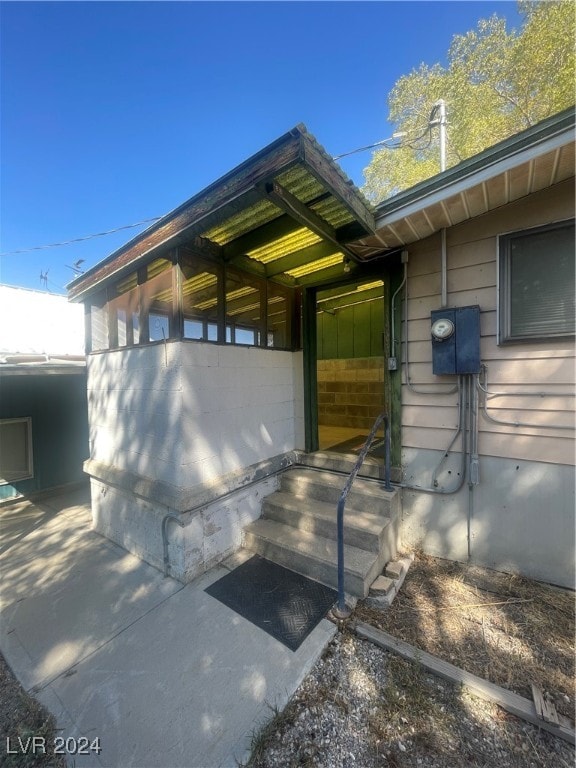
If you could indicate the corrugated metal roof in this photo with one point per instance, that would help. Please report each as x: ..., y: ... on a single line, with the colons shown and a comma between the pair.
x: 266, y: 216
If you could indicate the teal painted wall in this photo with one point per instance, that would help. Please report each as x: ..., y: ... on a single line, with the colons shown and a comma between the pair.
x: 351, y: 332
x: 58, y: 407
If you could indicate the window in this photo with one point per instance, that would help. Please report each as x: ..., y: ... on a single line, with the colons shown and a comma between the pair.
x: 15, y: 450
x: 537, y: 283
x: 156, y: 300
x: 99, y: 322
x: 124, y: 312
x: 200, y: 281
x: 278, y: 319
x: 243, y: 308
x: 192, y: 297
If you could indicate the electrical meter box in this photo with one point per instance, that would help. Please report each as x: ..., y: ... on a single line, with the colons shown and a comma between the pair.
x: 455, y: 340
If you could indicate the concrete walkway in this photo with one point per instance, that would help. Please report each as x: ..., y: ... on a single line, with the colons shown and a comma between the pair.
x: 162, y: 673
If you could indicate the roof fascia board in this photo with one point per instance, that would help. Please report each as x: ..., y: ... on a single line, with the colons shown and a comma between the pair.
x: 468, y: 174
x: 280, y: 155
x: 325, y: 170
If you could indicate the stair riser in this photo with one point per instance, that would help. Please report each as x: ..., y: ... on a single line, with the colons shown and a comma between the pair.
x: 367, y: 540
x: 303, y: 488
x: 314, y: 569
x: 333, y: 462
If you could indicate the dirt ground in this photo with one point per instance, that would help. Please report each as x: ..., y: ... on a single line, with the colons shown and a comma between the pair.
x: 21, y: 718
x: 366, y: 707
x: 507, y: 629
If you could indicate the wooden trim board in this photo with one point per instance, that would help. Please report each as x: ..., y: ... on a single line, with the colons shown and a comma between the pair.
x: 511, y: 702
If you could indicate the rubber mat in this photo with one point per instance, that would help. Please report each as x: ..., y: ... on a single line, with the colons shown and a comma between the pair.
x: 281, y: 602
x: 355, y: 445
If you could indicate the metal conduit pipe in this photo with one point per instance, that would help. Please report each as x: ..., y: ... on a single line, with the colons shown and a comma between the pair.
x: 504, y: 423
x: 517, y: 394
x: 458, y: 431
x: 393, y: 303
x: 443, y: 269
x: 464, y: 454
x: 410, y: 386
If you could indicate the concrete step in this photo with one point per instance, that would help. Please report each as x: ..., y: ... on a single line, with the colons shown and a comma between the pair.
x: 344, y: 462
x: 313, y: 556
x: 365, y: 530
x: 366, y: 496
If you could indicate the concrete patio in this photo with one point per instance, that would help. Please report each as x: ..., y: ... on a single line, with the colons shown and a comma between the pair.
x: 162, y: 673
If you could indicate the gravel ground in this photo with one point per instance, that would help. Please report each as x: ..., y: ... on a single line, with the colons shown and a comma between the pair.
x: 362, y: 706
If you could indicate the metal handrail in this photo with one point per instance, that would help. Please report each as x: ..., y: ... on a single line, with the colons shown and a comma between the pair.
x: 342, y: 611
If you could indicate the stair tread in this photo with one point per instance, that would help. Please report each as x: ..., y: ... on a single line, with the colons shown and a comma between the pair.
x: 357, y: 561
x: 353, y: 518
x: 319, y: 477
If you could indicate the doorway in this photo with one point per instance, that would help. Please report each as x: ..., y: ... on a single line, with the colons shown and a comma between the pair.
x: 349, y: 363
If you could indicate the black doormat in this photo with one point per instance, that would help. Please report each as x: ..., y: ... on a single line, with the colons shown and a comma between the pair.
x: 284, y: 604
x: 355, y: 445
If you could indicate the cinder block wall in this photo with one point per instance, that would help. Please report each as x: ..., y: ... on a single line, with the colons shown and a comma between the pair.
x: 350, y: 392
x: 186, y: 413
x: 171, y: 420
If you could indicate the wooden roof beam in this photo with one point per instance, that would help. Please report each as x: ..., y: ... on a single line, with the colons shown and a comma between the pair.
x: 290, y: 204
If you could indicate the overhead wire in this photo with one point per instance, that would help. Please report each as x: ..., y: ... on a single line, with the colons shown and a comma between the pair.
x: 384, y: 143
x: 80, y: 239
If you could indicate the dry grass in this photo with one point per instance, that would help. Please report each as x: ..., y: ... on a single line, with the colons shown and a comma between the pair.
x: 22, y: 717
x: 504, y: 628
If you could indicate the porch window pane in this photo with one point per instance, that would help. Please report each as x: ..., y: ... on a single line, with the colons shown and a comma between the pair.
x: 125, y: 311
x: 156, y: 299
x: 243, y: 308
x: 199, y: 298
x: 99, y: 322
x: 277, y: 319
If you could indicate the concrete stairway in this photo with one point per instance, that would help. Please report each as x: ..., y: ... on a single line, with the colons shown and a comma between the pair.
x: 298, y: 526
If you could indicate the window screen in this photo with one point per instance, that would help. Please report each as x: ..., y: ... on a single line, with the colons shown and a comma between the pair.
x: 15, y: 450
x: 537, y: 283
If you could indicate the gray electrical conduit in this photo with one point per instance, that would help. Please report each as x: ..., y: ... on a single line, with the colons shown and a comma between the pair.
x: 410, y: 386
x: 503, y: 423
x: 465, y: 406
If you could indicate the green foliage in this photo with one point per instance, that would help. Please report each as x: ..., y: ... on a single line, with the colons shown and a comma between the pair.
x: 496, y: 84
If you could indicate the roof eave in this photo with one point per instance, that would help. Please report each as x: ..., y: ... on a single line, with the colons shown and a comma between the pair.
x: 541, y: 138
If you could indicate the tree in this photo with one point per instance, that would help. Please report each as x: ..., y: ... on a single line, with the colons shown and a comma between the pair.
x: 496, y: 84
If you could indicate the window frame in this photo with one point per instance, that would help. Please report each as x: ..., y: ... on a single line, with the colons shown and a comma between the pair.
x: 503, y: 289
x: 29, y: 473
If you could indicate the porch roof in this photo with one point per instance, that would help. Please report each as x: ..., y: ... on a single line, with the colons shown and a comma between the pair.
x: 527, y: 162
x: 286, y: 214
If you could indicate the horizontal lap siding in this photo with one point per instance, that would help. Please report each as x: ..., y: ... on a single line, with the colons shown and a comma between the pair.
x: 429, y: 421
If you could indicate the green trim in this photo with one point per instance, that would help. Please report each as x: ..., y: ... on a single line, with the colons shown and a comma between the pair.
x: 394, y: 378
x: 309, y: 340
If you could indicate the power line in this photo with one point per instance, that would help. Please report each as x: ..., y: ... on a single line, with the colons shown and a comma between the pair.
x: 384, y: 143
x: 80, y: 239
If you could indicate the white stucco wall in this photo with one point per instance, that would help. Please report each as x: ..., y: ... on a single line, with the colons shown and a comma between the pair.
x: 184, y: 417
x: 186, y: 413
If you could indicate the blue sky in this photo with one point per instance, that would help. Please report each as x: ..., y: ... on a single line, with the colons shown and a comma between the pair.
x: 113, y: 113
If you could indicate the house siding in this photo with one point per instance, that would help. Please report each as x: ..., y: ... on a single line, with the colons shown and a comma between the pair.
x: 448, y: 525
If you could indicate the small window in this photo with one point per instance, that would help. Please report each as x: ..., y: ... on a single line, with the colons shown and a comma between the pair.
x: 200, y: 287
x: 156, y: 300
x: 15, y: 450
x: 537, y: 283
x: 244, y: 300
x: 99, y: 322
